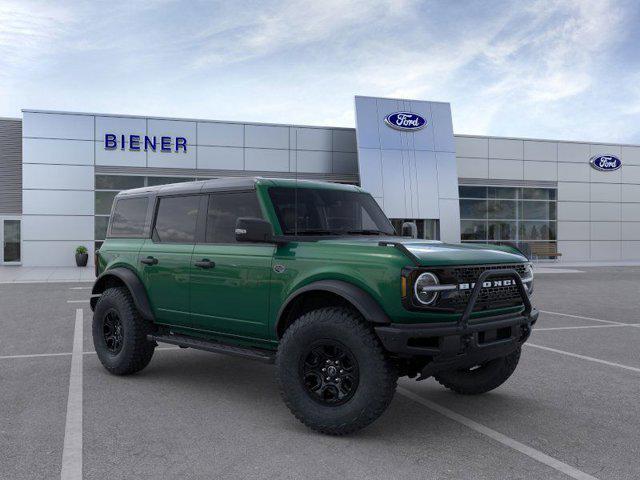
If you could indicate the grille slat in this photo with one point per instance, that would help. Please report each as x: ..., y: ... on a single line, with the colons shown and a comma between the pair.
x: 491, y: 297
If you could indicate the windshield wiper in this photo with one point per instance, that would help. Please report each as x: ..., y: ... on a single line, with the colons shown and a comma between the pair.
x: 367, y: 232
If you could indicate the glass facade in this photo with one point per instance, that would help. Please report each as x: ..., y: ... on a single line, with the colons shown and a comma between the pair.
x: 519, y: 215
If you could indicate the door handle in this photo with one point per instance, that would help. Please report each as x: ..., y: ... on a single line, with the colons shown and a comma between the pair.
x: 149, y: 260
x: 205, y: 263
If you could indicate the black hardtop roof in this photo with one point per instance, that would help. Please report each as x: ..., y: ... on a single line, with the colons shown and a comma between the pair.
x: 229, y: 184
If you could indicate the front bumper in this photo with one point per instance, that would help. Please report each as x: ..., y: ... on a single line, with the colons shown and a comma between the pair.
x: 446, y: 346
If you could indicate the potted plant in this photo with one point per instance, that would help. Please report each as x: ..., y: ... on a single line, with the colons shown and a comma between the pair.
x: 82, y: 256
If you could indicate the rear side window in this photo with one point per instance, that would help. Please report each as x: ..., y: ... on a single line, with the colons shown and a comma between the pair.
x: 129, y: 217
x: 224, y: 209
x: 176, y: 219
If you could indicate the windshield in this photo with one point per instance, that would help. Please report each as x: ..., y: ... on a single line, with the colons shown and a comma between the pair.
x: 316, y: 211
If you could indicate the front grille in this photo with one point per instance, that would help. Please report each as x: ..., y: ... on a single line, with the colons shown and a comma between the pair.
x: 491, y: 297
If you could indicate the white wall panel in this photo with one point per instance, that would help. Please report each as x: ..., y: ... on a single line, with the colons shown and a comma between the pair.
x: 367, y: 121
x: 391, y: 138
x: 605, y: 177
x: 345, y: 162
x: 602, y: 192
x: 425, y: 139
x: 220, y: 158
x: 265, y: 160
x: 573, y: 231
x: 52, y: 253
x: 311, y: 139
x: 605, y: 251
x: 575, y: 211
x: 314, y: 161
x: 573, y: 251
x: 120, y: 126
x: 630, y: 174
x: 172, y: 128
x: 630, y: 250
x: 630, y: 212
x: 55, y: 125
x: 576, y: 192
x: 395, y: 204
x: 506, y: 169
x: 57, y: 227
x: 546, y: 151
x: 473, y: 167
x: 73, y: 152
x: 574, y: 172
x: 120, y: 158
x: 574, y: 152
x: 447, y: 175
x: 605, y: 212
x: 631, y: 231
x: 266, y: 136
x: 426, y: 174
x: 450, y: 220
x: 547, y: 171
x: 442, y: 127
x: 472, y: 147
x: 630, y: 193
x: 173, y: 159
x: 220, y: 134
x: 605, y: 150
x: 506, y: 149
x: 344, y: 141
x: 630, y: 155
x: 370, y: 168
x: 605, y: 230
x: 66, y: 177
x: 57, y: 202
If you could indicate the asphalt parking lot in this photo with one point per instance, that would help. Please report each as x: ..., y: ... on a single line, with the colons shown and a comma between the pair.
x: 570, y: 411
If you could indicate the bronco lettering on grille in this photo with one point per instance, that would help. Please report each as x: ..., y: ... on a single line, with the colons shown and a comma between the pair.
x: 495, y: 283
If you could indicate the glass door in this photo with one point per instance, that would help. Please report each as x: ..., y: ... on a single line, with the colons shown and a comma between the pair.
x: 10, y: 237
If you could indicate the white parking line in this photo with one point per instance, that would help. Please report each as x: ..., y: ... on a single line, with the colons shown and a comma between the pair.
x: 80, y: 288
x: 90, y: 352
x: 500, y: 438
x: 78, y: 301
x: 583, y: 357
x: 587, y: 326
x: 581, y: 317
x: 72, y: 450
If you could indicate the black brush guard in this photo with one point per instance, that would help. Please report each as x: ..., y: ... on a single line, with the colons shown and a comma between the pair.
x: 468, y: 342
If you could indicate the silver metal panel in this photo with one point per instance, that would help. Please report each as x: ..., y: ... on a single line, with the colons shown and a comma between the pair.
x: 422, y: 139
x: 57, y: 227
x: 54, y: 151
x: 344, y: 140
x: 473, y: 167
x: 220, y: 134
x: 173, y: 159
x: 447, y: 175
x: 120, y: 126
x: 540, y: 170
x: 220, y: 158
x: 442, y: 127
x: 311, y: 139
x: 393, y: 184
x: 573, y: 152
x: 544, y: 151
x: 345, y: 162
x: 57, y: 177
x: 10, y: 167
x: 53, y: 253
x: 427, y: 175
x: 506, y: 148
x: 131, y: 158
x: 367, y: 133
x: 263, y: 136
x: 172, y: 128
x: 472, y: 147
x: 265, y: 160
x: 630, y: 155
x: 370, y: 171
x: 57, y: 202
x: 313, y: 161
x: 57, y: 125
x: 390, y: 138
x: 449, y: 220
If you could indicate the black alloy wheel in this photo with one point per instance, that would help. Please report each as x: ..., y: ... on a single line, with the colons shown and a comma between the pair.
x: 329, y: 372
x: 112, y: 332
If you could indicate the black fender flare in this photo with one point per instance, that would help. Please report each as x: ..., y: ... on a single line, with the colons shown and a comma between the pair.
x: 133, y: 284
x: 369, y: 308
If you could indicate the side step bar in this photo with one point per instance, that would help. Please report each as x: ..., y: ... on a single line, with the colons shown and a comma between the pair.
x: 184, y: 341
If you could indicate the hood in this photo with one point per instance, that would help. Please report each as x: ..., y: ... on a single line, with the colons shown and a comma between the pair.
x: 435, y: 253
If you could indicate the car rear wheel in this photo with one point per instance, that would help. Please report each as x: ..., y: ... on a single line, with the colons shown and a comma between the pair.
x: 480, y: 378
x: 333, y: 373
x: 120, y: 333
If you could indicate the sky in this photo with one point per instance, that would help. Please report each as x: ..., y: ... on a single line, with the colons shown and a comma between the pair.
x: 540, y: 69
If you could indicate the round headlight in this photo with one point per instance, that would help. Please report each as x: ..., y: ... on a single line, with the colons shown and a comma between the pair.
x: 421, y: 288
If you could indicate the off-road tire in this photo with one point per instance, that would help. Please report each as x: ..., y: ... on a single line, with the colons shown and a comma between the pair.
x: 482, y: 379
x: 136, y: 351
x: 377, y: 377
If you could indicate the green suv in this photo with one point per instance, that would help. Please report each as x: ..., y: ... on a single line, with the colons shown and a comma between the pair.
x: 310, y: 276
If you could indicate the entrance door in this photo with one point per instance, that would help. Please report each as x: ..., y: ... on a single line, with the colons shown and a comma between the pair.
x: 10, y: 238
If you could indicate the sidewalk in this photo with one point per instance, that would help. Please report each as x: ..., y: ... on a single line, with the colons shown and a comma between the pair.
x: 18, y: 274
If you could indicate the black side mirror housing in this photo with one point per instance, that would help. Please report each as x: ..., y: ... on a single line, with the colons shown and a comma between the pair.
x: 254, y: 230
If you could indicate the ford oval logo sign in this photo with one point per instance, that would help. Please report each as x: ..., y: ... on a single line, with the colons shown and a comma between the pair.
x: 605, y: 163
x: 405, y: 121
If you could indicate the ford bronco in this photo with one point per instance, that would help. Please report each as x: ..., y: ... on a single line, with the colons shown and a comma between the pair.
x: 310, y: 276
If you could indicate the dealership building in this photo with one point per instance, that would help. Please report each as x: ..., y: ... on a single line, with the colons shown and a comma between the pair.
x: 59, y: 173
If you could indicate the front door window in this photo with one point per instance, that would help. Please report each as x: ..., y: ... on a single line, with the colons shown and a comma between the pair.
x: 11, y: 241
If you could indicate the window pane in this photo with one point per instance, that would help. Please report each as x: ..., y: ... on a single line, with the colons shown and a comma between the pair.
x: 472, y: 192
x: 176, y: 221
x: 503, y: 192
x: 104, y: 200
x: 532, y: 210
x: 537, y: 230
x: 224, y: 210
x: 100, y: 228
x: 11, y: 247
x: 502, y: 209
x: 538, y: 193
x: 118, y: 182
x: 473, y: 230
x: 152, y: 181
x: 502, y: 231
x: 473, y: 209
x: 129, y: 217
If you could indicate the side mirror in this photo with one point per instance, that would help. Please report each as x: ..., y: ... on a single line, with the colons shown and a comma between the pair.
x: 255, y: 230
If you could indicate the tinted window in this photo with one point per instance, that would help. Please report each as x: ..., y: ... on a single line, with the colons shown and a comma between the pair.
x: 224, y: 210
x: 118, y: 182
x: 176, y: 219
x: 129, y: 217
